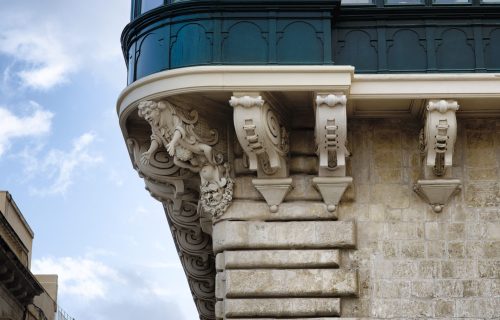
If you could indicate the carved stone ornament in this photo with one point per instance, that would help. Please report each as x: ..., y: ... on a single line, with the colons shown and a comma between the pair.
x: 331, y: 136
x: 437, y: 143
x: 177, y: 189
x: 440, y: 133
x: 174, y: 129
x: 263, y: 137
x: 437, y: 192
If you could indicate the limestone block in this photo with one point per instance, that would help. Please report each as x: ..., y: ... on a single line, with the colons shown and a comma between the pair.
x: 230, y: 235
x: 290, y: 283
x: 290, y: 307
x: 296, y: 210
x: 249, y: 259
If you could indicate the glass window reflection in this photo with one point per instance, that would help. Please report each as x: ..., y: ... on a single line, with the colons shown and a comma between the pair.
x: 147, y: 5
x: 356, y: 2
x: 451, y: 1
x: 403, y: 2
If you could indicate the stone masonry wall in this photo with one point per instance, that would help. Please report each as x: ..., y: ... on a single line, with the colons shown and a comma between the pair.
x: 412, y: 262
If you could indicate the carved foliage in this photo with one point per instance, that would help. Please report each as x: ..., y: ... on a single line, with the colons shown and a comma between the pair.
x: 262, y: 135
x: 331, y: 133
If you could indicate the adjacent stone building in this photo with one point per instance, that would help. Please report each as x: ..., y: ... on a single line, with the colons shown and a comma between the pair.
x: 318, y: 160
x: 23, y: 296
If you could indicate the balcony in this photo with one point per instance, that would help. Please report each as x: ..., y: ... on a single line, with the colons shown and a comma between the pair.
x: 379, y: 36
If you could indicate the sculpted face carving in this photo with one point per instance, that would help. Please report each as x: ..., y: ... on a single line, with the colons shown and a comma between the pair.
x: 174, y: 129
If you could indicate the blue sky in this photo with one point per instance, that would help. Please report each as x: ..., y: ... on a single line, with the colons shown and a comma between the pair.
x: 64, y: 160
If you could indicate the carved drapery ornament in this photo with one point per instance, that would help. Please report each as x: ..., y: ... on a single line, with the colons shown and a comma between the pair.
x: 437, y: 142
x: 331, y: 138
x: 262, y: 134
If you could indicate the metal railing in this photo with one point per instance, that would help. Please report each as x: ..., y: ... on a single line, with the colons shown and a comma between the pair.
x: 62, y: 315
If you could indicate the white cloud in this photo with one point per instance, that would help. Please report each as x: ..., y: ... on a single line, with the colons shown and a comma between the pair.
x: 12, y: 126
x: 46, y: 53
x: 82, y: 277
x: 45, y: 61
x: 60, y: 167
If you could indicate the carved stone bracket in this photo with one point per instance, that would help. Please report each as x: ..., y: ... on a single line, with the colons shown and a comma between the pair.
x: 332, y: 189
x: 176, y: 188
x: 173, y: 128
x: 274, y: 191
x: 437, y: 192
x: 440, y: 135
x: 261, y: 132
x: 437, y: 145
x: 331, y: 136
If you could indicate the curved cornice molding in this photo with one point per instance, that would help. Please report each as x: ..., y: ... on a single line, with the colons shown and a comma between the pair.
x: 235, y: 78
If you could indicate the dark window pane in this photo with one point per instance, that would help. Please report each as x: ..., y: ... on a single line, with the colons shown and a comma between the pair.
x: 356, y: 2
x: 451, y: 1
x: 150, y: 4
x: 403, y: 2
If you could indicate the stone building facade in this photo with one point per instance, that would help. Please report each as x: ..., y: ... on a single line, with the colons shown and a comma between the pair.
x: 297, y: 189
x: 22, y: 295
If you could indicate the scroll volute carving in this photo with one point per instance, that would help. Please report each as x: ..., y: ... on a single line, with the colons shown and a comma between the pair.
x: 331, y: 134
x: 437, y: 142
x: 331, y: 139
x: 263, y: 136
x: 260, y: 128
x: 440, y: 133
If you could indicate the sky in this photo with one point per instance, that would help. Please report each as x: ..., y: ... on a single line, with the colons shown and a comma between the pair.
x: 64, y: 160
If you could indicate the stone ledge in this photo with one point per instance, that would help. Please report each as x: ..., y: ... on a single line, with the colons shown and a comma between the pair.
x: 289, y: 307
x: 229, y: 235
x: 299, y: 210
x: 286, y: 283
x: 289, y: 259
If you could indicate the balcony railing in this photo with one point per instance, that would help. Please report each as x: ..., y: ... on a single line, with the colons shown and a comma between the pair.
x: 62, y: 315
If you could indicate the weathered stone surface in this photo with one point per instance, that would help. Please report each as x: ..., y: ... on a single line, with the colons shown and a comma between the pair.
x: 290, y: 283
x: 259, y: 259
x: 230, y: 235
x: 304, y: 164
x: 296, y: 210
x: 288, y: 307
x: 302, y: 142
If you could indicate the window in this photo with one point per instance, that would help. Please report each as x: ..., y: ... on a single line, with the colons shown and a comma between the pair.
x: 404, y: 2
x: 451, y: 1
x: 147, y: 5
x: 357, y: 2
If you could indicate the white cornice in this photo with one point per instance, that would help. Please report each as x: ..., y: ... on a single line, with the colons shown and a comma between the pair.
x: 378, y: 90
x: 237, y: 78
x: 425, y: 86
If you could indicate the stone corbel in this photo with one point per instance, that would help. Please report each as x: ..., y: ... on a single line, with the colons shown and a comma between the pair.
x: 331, y: 136
x: 177, y: 189
x: 174, y: 138
x: 260, y: 128
x: 437, y: 144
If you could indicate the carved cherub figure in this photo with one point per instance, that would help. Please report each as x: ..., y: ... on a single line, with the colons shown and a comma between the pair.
x: 173, y: 129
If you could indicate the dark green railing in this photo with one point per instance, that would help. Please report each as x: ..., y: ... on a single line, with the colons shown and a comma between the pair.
x: 379, y: 37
